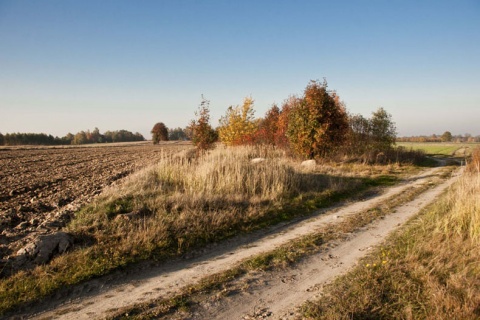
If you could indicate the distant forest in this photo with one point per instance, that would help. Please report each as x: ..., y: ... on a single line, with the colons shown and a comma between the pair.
x: 82, y: 137
x: 445, y: 137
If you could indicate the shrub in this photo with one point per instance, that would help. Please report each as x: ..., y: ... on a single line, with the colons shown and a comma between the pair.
x: 238, y: 127
x: 317, y: 122
x: 159, y: 133
x: 202, y: 134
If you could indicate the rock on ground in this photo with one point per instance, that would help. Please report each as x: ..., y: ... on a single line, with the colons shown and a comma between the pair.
x: 44, y: 248
x: 309, y: 164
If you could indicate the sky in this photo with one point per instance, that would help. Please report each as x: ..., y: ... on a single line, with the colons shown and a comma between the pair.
x: 67, y: 66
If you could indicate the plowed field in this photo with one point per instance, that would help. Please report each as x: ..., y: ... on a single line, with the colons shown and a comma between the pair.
x: 41, y: 187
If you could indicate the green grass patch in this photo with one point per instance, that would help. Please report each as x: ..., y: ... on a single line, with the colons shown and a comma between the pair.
x: 444, y: 149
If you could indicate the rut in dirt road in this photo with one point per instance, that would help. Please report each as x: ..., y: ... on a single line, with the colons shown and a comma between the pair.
x: 101, y: 297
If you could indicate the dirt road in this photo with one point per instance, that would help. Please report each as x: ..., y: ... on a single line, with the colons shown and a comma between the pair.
x: 275, y: 295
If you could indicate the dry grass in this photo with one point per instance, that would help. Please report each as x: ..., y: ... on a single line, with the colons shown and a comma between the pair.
x: 474, y: 163
x: 430, y: 271
x: 447, y: 149
x: 463, y: 204
x: 182, y: 203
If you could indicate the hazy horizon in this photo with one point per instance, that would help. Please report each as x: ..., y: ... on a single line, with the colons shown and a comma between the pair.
x: 69, y: 66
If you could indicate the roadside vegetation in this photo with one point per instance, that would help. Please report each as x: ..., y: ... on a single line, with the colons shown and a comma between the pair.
x: 431, y: 270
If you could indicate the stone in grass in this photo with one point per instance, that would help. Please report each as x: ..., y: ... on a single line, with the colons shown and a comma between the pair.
x: 257, y: 160
x: 45, y: 247
x: 309, y: 163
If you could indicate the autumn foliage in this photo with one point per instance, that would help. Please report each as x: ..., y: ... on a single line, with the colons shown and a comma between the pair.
x: 238, y: 127
x: 159, y: 133
x: 202, y: 134
x: 317, y: 122
x: 268, y: 127
x: 314, y: 125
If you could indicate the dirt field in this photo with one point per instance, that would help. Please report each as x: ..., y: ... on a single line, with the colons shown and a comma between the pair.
x: 40, y: 187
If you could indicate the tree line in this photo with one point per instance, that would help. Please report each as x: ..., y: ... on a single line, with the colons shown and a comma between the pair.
x: 447, y: 136
x: 313, y: 125
x: 82, y: 137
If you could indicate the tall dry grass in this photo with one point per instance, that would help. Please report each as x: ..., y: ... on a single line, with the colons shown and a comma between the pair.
x: 463, y: 203
x: 474, y: 163
x: 182, y: 202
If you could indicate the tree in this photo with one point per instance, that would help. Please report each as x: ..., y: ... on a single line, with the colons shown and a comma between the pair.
x: 177, y: 134
x: 383, y: 130
x: 281, y: 139
x: 68, y: 138
x: 2, y: 139
x: 80, y: 138
x: 159, y: 133
x: 359, y: 136
x: 121, y: 136
x: 238, y: 127
x: 202, y: 134
x: 95, y: 136
x: 317, y: 123
x: 268, y: 126
x: 447, y: 136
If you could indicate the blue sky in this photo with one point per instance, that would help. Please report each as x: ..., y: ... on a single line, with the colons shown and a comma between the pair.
x: 67, y: 66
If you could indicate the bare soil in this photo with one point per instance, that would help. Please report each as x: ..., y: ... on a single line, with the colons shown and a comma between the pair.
x: 273, y: 295
x: 41, y: 187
